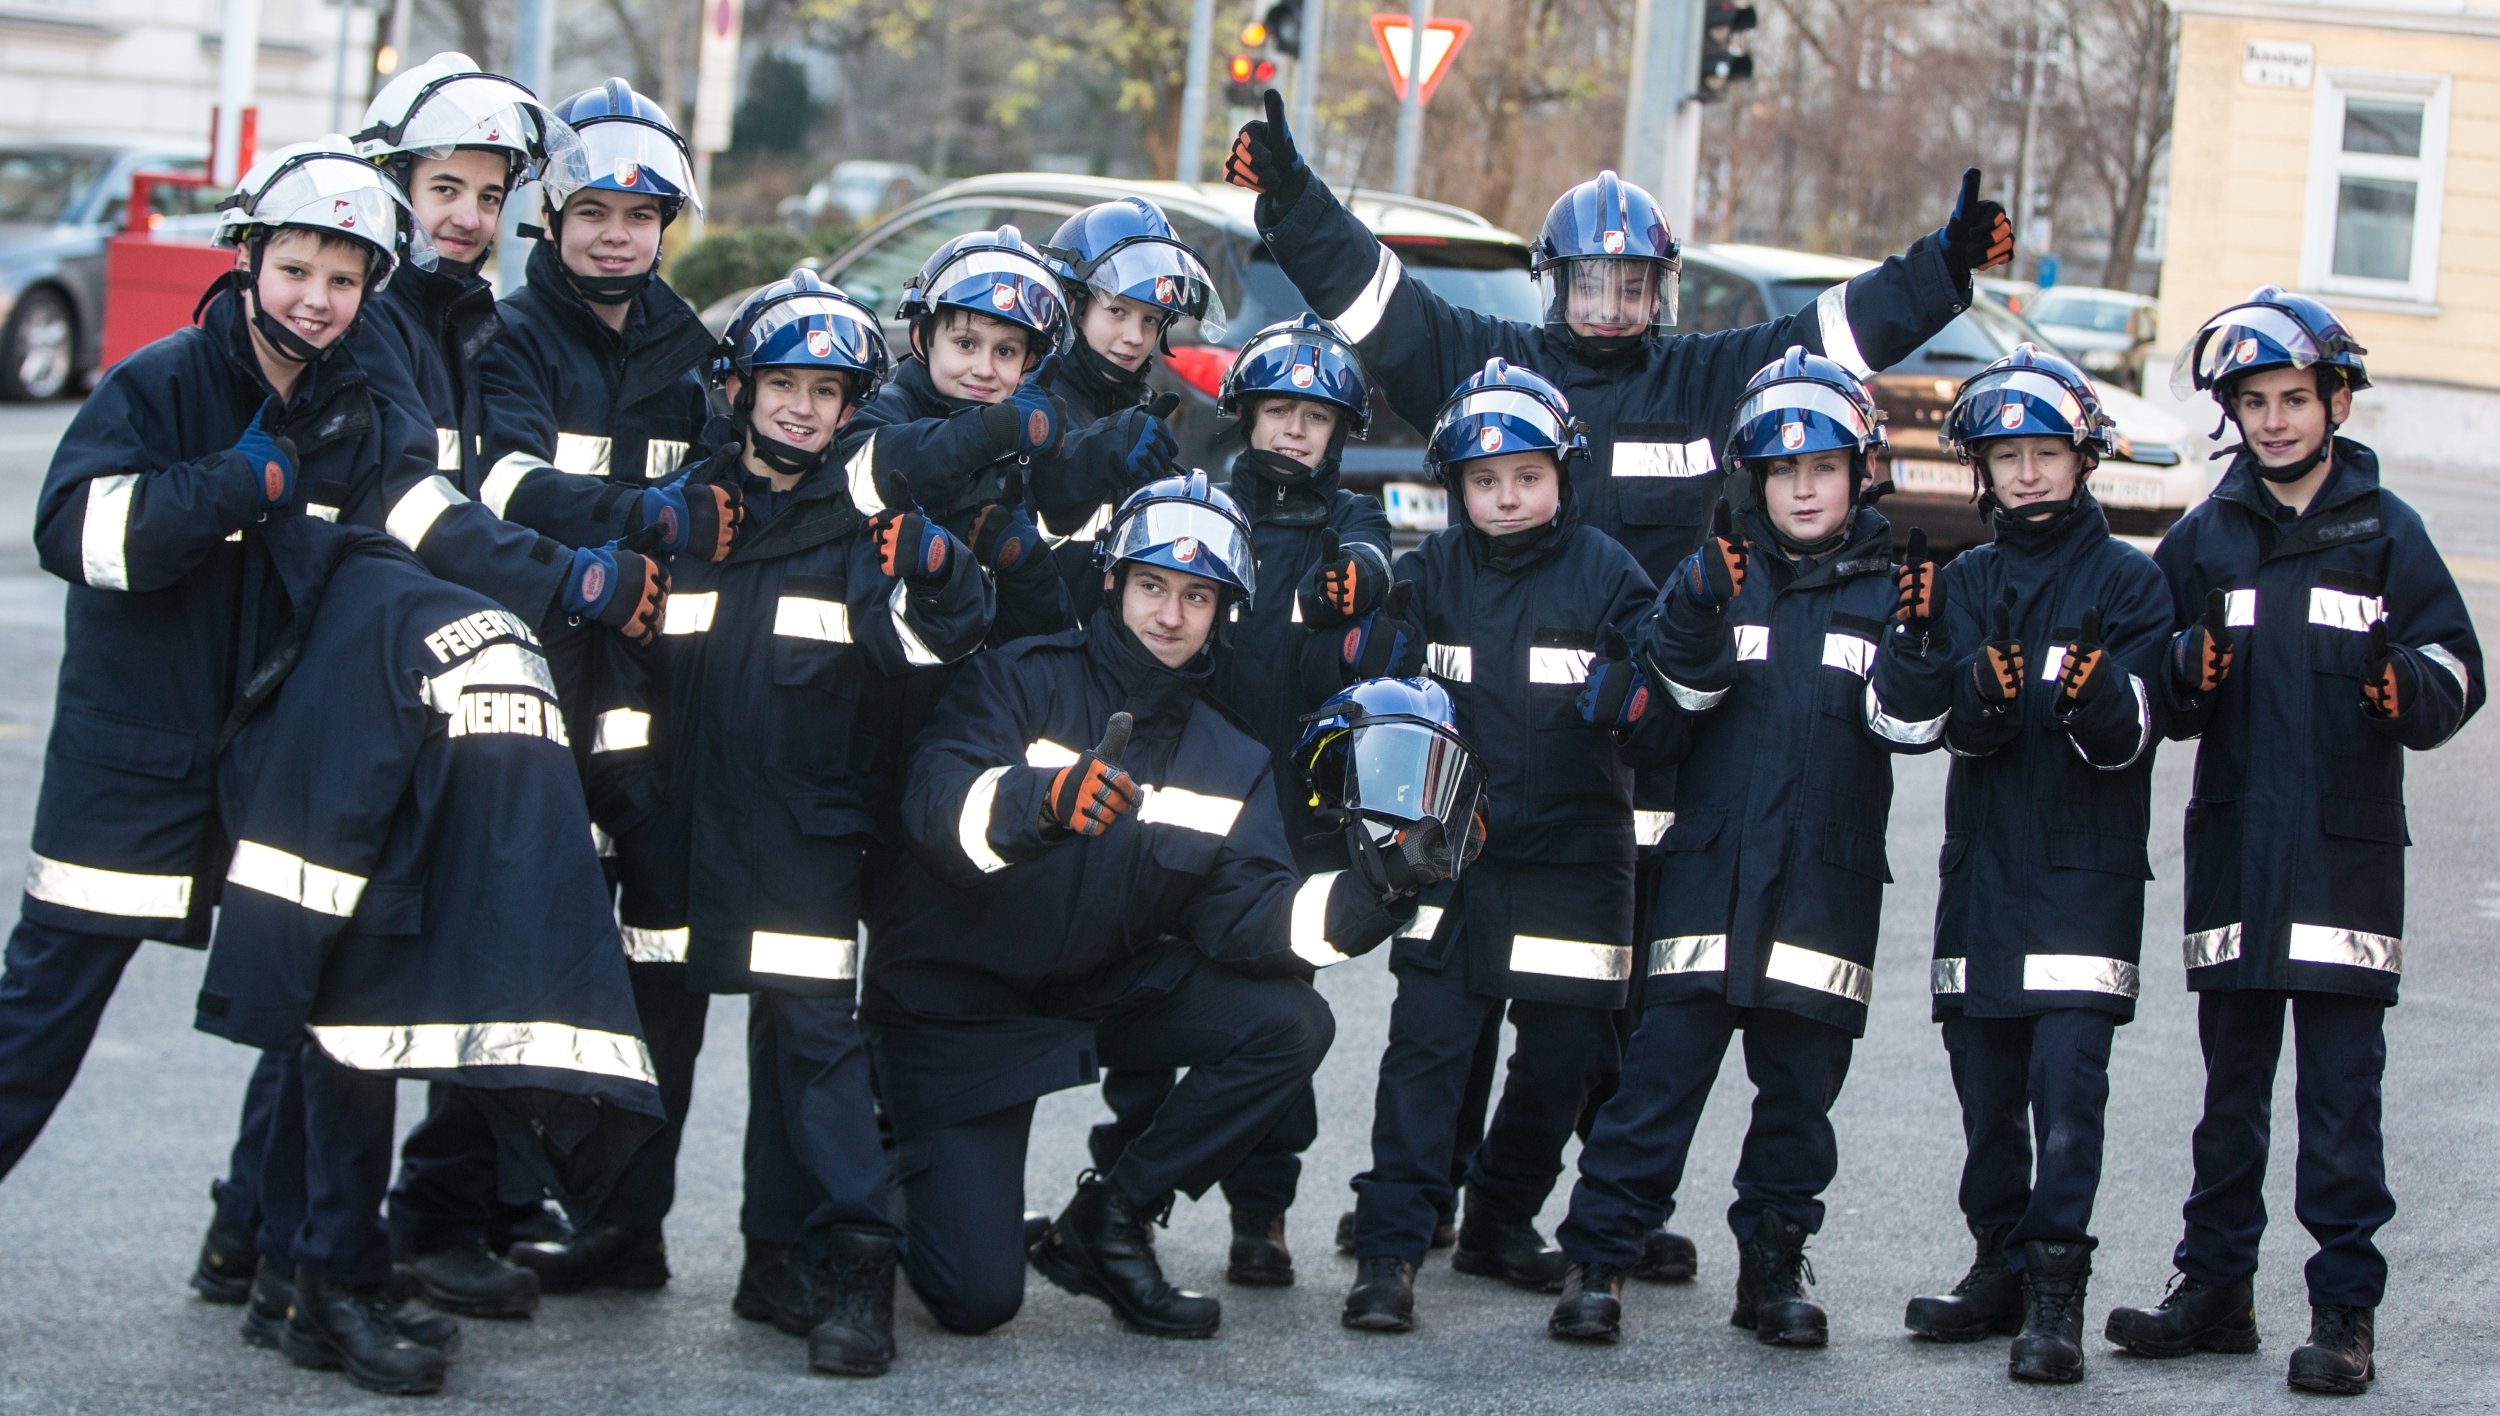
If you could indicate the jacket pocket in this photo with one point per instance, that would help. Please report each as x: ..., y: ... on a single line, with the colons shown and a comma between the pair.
x: 829, y: 816
x: 101, y: 740
x: 2362, y: 819
x: 2093, y: 850
x: 1693, y: 831
x: 390, y: 909
x: 1956, y: 850
x: 1854, y: 848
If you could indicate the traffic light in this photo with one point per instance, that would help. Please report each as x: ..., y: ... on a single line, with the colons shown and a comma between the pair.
x: 1250, y: 69
x: 1284, y: 26
x: 1721, y: 63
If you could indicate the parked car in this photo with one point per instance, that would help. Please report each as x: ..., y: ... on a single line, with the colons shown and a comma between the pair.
x: 2108, y: 332
x: 2145, y: 489
x: 1454, y: 252
x: 59, y: 203
x: 858, y: 190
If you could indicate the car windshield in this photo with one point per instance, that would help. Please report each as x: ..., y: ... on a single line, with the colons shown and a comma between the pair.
x: 38, y: 184
x: 2082, y: 312
x: 1482, y: 276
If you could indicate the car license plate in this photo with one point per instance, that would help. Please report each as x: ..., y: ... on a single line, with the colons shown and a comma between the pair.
x: 2127, y: 491
x: 1416, y: 506
x: 1931, y: 479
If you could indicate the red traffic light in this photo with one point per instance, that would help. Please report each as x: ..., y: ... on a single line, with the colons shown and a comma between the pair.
x: 1241, y: 68
x: 1265, y: 71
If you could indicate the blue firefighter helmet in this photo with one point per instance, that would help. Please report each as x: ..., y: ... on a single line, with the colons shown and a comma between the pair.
x: 1303, y: 357
x: 801, y: 321
x: 1801, y: 403
x: 1387, y: 752
x: 1184, y: 523
x: 994, y: 273
x: 2029, y: 393
x: 629, y: 146
x: 1606, y: 250
x: 1127, y: 248
x: 1499, y: 410
x: 2272, y: 329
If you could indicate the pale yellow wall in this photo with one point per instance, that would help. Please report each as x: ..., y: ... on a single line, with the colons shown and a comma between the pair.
x: 2239, y: 177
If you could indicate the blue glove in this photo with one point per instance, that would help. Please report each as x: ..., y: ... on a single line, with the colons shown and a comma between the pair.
x: 1003, y: 539
x: 621, y: 589
x: 1030, y: 421
x: 272, y: 456
x: 1147, y: 447
x: 704, y: 519
x: 1386, y: 641
x: 1616, y: 693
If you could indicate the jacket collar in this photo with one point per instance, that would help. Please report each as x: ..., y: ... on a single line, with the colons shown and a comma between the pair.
x: 1159, y: 698
x: 1864, y: 548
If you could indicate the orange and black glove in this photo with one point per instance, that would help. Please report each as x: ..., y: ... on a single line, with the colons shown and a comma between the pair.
x: 1264, y: 159
x: 695, y: 518
x: 1090, y: 793
x: 1919, y: 602
x: 1978, y: 235
x: 911, y: 546
x: 2083, y: 674
x: 1998, y: 670
x: 2387, y: 682
x: 1715, y: 574
x: 622, y: 589
x: 1342, y: 586
x: 2200, y: 655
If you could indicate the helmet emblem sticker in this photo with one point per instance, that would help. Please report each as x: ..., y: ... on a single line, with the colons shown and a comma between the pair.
x: 819, y: 342
x: 1792, y: 436
x: 1489, y: 438
x: 1185, y: 549
x: 1003, y: 296
x: 2246, y: 351
x: 1612, y: 241
x: 628, y: 172
x: 2011, y: 415
x: 1167, y: 290
x: 1304, y: 375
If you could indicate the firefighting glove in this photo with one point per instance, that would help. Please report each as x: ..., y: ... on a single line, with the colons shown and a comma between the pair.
x: 621, y: 589
x: 2387, y: 682
x: 1342, y: 586
x: 271, y: 455
x: 1919, y: 602
x: 2083, y: 675
x: 1616, y: 693
x: 1714, y: 574
x: 701, y: 519
x: 1998, y: 670
x: 911, y: 546
x: 1002, y: 538
x: 1413, y: 859
x: 1090, y: 793
x: 1029, y: 421
x: 1386, y: 641
x: 1263, y: 158
x: 1141, y: 441
x: 2200, y: 657
x: 1978, y: 235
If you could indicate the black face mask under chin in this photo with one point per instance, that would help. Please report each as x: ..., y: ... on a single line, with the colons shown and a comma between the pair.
x: 610, y: 289
x: 290, y: 346
x: 1607, y: 348
x: 1271, y: 467
x: 786, y: 458
x: 1099, y: 376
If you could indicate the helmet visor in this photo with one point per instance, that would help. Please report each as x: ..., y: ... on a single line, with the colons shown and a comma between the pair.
x: 1611, y: 296
x: 1783, y: 404
x: 839, y: 332
x: 1512, y: 405
x: 2240, y: 338
x: 343, y: 196
x: 627, y: 155
x: 481, y: 110
x: 1405, y: 769
x: 1196, y: 537
x: 1163, y: 274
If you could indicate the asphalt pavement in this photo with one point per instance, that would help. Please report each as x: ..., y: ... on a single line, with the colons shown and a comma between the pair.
x: 99, y: 1224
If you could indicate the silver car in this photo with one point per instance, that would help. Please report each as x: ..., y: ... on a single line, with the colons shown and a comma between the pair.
x: 60, y: 202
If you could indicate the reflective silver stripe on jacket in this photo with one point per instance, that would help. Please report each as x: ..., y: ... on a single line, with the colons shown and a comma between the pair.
x: 2078, y: 973
x: 621, y: 730
x: 503, y: 665
x: 1945, y: 975
x: 107, y: 892
x: 2143, y: 732
x: 802, y: 955
x: 1371, y: 303
x: 505, y: 478
x: 291, y: 878
x: 1045, y: 754
x: 972, y: 825
x: 1309, y: 930
x: 654, y: 946
x: 915, y: 650
x: 2052, y: 663
x: 315, y: 510
x: 1096, y: 522
x: 1650, y: 827
x: 105, y: 532
x: 1851, y: 652
x: 660, y: 457
x: 2339, y: 609
x: 446, y: 449
x: 1563, y: 666
x: 1455, y: 662
x: 2354, y: 948
x: 1427, y: 923
x: 806, y: 617
x: 582, y: 454
x: 1753, y: 643
x: 419, y: 508
x: 2207, y: 947
x: 1570, y: 958
x: 1824, y: 973
x: 691, y: 613
x: 437, y: 1046
x: 1691, y: 700
x: 2239, y: 609
x: 861, y: 472
x: 1688, y: 953
x: 2438, y: 654
x: 1909, y: 732
x: 1195, y: 811
x: 1840, y: 340
x: 1661, y: 459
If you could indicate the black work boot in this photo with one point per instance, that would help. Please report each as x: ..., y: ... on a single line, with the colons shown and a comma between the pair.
x: 1988, y: 1302
x: 468, y: 1280
x: 1591, y: 1306
x: 330, y: 1327
x: 598, y: 1256
x: 264, y: 1316
x: 856, y: 1338
x: 228, y: 1259
x: 1099, y: 1247
x: 1383, y: 1298
x: 1510, y: 1250
x: 1259, y: 1258
x: 1444, y: 1233
x: 2193, y: 1317
x: 1036, y: 1225
x: 526, y: 1224
x: 1667, y: 1257
x: 2050, y: 1346
x: 778, y: 1285
x: 2339, y: 1357
x: 1771, y: 1277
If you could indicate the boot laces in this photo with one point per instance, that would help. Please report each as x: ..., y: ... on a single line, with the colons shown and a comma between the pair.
x: 1785, y: 1269
x: 2335, y: 1327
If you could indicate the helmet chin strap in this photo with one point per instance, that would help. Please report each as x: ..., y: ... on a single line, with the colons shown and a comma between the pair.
x: 284, y: 342
x: 787, y: 458
x: 604, y: 289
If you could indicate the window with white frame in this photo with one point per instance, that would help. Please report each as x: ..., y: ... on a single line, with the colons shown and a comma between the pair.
x: 2378, y: 158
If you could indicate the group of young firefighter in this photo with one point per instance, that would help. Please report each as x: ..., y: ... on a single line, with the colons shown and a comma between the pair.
x: 488, y: 684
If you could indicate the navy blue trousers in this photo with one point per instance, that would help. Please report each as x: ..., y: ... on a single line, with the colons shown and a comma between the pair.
x: 814, y: 1163
x: 672, y: 1027
x: 1634, y: 1159
x: 325, y: 1167
x: 52, y: 995
x: 2041, y: 1080
x: 2340, y: 1189
x: 448, y: 1192
x: 1266, y: 1180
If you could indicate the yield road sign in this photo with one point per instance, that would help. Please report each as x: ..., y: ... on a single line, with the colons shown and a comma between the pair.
x: 1442, y: 39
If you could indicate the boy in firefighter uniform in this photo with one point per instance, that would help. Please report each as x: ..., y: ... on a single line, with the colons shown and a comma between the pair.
x: 2057, y: 629
x: 1508, y: 609
x: 2321, y: 638
x: 734, y: 772
x: 1780, y: 652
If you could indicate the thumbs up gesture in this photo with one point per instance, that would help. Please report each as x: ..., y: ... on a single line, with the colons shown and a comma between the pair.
x: 1090, y: 793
